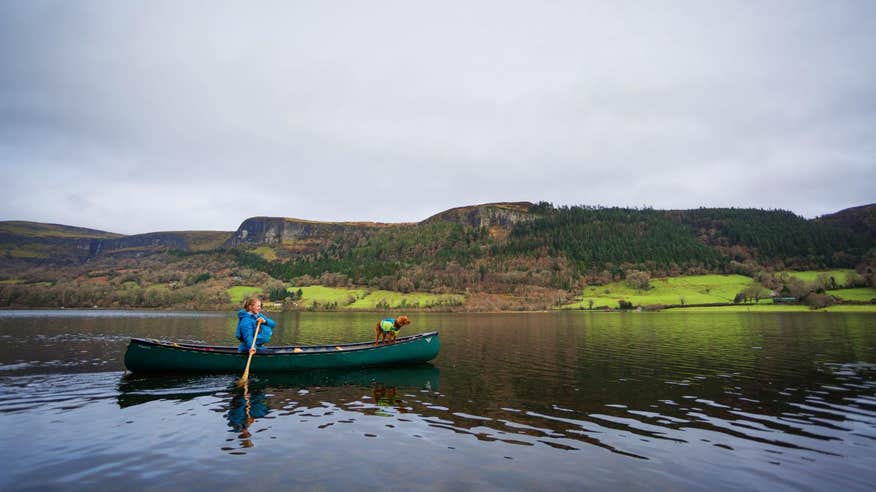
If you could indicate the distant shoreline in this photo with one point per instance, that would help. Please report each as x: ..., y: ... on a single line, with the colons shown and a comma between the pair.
x: 755, y: 308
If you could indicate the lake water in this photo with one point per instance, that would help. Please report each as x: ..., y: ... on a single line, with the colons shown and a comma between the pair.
x: 552, y: 401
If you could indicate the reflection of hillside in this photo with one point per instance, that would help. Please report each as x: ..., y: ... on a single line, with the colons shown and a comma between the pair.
x: 591, y: 360
x: 592, y: 378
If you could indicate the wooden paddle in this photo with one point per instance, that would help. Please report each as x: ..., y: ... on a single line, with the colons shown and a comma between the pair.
x: 249, y: 359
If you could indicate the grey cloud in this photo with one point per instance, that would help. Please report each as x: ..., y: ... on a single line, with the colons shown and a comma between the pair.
x: 196, y: 115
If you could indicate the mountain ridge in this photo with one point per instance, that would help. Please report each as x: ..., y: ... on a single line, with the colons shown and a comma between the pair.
x: 864, y: 216
x: 292, y: 238
x: 515, y: 254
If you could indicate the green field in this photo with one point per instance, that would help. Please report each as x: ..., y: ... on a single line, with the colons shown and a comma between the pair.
x: 858, y: 294
x: 695, y: 289
x: 240, y: 292
x: 705, y: 289
x: 364, y: 299
x: 398, y: 300
x: 323, y: 296
x: 812, y: 275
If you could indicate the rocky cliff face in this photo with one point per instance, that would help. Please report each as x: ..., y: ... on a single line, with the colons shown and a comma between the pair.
x: 487, y: 215
x: 497, y: 218
x: 295, y: 236
x: 138, y: 243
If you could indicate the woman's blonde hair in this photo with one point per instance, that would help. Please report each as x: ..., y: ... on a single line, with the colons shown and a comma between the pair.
x: 249, y: 302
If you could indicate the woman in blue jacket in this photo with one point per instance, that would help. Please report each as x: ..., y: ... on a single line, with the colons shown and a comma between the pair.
x: 247, y: 318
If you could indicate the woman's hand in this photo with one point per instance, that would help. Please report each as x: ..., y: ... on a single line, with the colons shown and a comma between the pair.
x: 252, y: 351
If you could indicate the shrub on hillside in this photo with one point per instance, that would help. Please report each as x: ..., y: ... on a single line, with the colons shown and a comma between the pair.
x: 818, y: 301
x: 638, y: 280
x: 855, y: 279
x: 278, y: 294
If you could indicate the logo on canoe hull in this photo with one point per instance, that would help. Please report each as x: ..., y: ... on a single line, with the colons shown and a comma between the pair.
x: 429, y: 340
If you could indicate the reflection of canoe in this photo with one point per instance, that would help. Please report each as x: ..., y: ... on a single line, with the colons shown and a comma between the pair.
x: 156, y: 356
x: 134, y: 389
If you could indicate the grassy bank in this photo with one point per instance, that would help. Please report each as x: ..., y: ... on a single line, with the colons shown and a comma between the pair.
x: 687, y: 290
x: 712, y: 289
x: 685, y: 293
x: 321, y: 297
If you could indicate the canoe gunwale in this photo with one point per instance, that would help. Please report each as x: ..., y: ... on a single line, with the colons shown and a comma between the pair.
x: 285, y: 350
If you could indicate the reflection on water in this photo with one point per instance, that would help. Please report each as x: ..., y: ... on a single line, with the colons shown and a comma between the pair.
x: 245, y: 408
x: 524, y: 402
x: 290, y: 394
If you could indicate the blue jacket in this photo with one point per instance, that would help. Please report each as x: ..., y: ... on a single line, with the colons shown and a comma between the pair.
x: 246, y: 325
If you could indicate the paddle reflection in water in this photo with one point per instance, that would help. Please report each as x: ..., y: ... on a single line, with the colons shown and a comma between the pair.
x: 244, y: 409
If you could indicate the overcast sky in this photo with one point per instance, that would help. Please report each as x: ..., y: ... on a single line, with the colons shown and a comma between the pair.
x: 148, y: 116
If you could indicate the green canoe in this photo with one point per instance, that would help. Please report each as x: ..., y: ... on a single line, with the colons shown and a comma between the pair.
x: 157, y: 356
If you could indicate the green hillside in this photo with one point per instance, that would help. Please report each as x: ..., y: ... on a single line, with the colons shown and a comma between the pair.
x: 41, y: 230
x: 598, y: 237
x: 778, y: 235
x: 40, y: 242
x: 516, y: 256
x: 558, y: 246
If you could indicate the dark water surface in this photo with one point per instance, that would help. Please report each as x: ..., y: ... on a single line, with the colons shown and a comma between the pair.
x: 560, y: 401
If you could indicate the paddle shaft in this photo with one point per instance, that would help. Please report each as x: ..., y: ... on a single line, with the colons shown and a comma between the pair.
x: 249, y: 359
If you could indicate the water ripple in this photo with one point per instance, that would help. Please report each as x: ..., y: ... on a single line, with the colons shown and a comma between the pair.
x: 749, y: 402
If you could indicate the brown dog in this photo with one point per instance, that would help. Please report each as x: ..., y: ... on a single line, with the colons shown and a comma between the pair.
x: 388, y: 328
